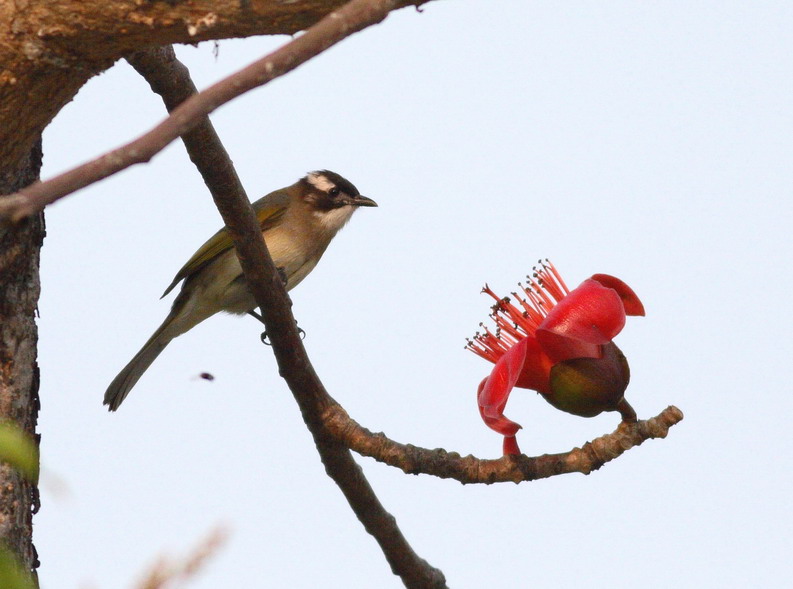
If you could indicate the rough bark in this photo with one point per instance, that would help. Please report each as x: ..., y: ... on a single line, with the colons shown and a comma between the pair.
x: 19, y: 372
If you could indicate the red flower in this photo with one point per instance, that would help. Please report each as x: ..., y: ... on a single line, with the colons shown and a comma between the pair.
x: 558, y: 343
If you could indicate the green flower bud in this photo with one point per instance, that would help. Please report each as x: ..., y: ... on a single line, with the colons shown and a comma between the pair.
x: 589, y: 386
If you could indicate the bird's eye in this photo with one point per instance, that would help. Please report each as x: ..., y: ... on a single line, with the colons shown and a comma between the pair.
x: 334, y: 191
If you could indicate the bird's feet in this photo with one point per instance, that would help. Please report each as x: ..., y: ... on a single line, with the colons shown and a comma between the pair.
x: 300, y: 332
x: 265, y: 338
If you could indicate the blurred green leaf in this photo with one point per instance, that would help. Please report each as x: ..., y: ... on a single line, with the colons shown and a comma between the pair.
x: 12, y: 575
x: 20, y: 451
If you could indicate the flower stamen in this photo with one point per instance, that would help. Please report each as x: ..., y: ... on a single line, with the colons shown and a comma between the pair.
x: 515, y: 321
x: 557, y: 278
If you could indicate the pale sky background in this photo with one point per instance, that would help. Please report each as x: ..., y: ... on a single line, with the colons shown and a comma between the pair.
x: 651, y: 141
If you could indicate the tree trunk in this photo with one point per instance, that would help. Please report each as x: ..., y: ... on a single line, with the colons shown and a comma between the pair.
x: 19, y: 372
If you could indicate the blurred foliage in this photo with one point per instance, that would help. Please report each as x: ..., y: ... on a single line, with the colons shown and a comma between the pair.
x: 12, y: 574
x: 19, y: 450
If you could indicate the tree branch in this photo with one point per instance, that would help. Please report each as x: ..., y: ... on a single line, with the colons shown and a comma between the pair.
x: 170, y: 79
x: 76, y: 31
x: 351, y: 18
x: 469, y: 469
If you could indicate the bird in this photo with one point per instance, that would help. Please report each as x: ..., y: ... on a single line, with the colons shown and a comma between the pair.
x: 298, y: 223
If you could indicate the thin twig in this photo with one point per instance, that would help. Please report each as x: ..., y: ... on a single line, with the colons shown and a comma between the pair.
x: 171, y: 79
x: 167, y: 572
x: 340, y: 24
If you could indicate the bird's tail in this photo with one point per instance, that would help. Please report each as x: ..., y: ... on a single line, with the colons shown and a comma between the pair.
x: 131, y: 373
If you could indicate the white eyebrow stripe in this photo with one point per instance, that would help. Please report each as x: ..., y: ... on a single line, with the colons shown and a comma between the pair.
x: 320, y: 182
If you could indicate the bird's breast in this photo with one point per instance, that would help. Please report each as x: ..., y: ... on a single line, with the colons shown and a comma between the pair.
x: 296, y: 252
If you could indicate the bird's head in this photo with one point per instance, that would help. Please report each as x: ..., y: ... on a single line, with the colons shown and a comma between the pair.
x: 324, y: 190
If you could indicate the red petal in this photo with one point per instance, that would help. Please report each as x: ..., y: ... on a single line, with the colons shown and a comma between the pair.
x: 536, y: 370
x: 494, y: 390
x: 633, y: 306
x: 497, y: 421
x: 588, y: 317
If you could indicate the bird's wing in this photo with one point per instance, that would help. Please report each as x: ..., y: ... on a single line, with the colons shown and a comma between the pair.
x: 269, y: 209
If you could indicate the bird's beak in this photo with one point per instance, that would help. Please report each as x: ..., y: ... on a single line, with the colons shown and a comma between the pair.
x: 362, y: 201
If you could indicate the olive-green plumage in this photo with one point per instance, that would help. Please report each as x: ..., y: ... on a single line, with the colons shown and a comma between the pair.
x: 298, y: 222
x: 269, y: 210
